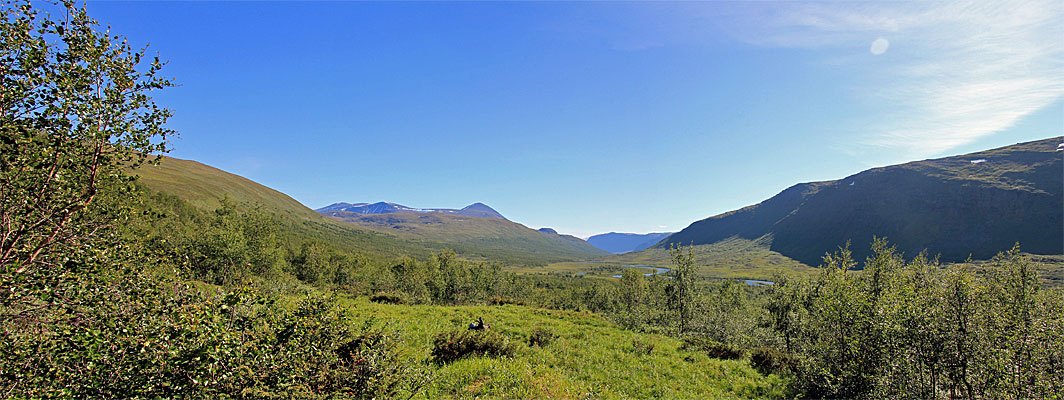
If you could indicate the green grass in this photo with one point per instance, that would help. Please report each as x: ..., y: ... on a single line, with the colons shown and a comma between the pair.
x: 591, y: 358
x: 204, y: 186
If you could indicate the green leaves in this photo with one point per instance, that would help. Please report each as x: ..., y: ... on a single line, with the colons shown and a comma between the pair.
x: 919, y: 329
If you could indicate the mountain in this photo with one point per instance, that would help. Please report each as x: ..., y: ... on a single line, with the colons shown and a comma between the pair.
x: 971, y: 205
x: 204, y: 187
x: 614, y: 242
x: 480, y: 210
x: 476, y: 231
x: 489, y: 237
x: 383, y: 207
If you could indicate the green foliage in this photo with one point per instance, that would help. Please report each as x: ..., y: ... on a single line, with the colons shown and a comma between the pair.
x: 768, y: 360
x: 714, y: 348
x: 457, y: 344
x: 87, y: 308
x: 129, y: 336
x: 641, y: 346
x: 504, y: 300
x: 74, y: 109
x: 541, y: 337
x: 681, y: 291
x: 915, y: 329
x: 387, y: 298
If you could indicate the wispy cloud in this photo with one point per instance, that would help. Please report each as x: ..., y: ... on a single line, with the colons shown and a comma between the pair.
x: 960, y: 71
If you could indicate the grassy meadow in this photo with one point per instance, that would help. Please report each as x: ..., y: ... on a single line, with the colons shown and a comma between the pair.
x: 590, y: 358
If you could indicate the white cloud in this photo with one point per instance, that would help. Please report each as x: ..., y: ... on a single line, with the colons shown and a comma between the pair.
x: 960, y: 71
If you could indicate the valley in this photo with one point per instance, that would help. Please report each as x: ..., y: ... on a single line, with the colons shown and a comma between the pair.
x: 127, y: 273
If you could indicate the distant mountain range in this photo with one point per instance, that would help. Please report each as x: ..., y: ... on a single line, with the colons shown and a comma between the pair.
x: 472, y: 210
x: 971, y: 205
x: 476, y: 229
x: 614, y: 242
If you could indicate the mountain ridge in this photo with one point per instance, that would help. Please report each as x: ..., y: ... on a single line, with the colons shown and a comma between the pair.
x: 383, y: 207
x: 967, y: 205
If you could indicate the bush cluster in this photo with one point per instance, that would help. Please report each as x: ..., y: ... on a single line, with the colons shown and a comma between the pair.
x: 713, y: 348
x: 642, y: 346
x: 541, y: 337
x: 917, y: 329
x: 767, y: 360
x: 454, y: 345
x: 387, y: 298
x: 499, y: 300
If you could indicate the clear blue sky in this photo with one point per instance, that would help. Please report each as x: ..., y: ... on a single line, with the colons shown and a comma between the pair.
x: 593, y: 117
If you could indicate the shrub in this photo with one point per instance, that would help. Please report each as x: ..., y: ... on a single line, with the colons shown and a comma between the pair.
x: 541, y: 337
x: 453, y: 345
x: 642, y: 347
x: 387, y: 298
x: 504, y: 300
x: 713, y: 348
x: 767, y: 360
x: 373, y: 369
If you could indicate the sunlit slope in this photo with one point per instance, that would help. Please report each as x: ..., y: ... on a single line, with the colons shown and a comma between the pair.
x: 489, y: 238
x: 391, y: 235
x: 204, y: 187
x: 971, y: 205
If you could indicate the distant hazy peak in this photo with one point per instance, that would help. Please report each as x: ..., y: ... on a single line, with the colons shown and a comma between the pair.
x: 615, y: 242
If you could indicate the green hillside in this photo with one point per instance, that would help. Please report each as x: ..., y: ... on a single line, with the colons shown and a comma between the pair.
x: 476, y: 236
x: 204, y: 187
x: 971, y: 205
x: 384, y: 235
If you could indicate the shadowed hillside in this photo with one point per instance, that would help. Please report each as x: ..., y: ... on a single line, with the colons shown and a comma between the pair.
x: 976, y: 204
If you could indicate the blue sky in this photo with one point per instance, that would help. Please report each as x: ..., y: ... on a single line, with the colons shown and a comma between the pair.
x: 592, y: 117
